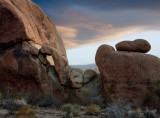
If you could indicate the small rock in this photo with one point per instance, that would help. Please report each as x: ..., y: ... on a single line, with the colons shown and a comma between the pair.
x: 3, y: 112
x: 76, y: 77
x: 89, y: 75
x: 139, y: 45
x: 21, y: 102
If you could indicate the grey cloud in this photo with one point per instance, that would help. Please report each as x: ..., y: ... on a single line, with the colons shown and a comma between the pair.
x: 102, y: 4
x: 90, y: 17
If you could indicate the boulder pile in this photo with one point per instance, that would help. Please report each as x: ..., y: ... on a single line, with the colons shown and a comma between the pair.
x: 33, y: 59
x: 34, y: 64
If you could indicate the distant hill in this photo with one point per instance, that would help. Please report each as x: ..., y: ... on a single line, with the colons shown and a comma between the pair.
x: 84, y: 67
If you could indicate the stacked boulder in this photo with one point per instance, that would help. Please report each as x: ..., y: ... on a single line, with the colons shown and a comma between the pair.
x: 138, y: 45
x: 129, y: 73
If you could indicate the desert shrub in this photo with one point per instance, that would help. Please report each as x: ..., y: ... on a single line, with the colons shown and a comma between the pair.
x: 132, y: 114
x: 71, y: 110
x: 117, y: 109
x: 28, y: 97
x: 77, y: 109
x: 138, y: 113
x: 12, y: 105
x: 92, y: 110
x: 26, y: 112
x: 82, y: 108
x: 150, y: 113
x: 76, y: 112
x: 68, y: 110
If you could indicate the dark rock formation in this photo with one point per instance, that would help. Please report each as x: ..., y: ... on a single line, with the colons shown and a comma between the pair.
x: 89, y: 75
x: 24, y: 28
x: 27, y: 38
x: 22, y: 20
x: 138, y: 45
x: 133, y: 75
x: 76, y: 77
x: 60, y: 62
x: 92, y: 92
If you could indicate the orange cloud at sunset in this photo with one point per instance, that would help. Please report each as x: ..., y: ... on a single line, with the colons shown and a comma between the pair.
x: 67, y: 32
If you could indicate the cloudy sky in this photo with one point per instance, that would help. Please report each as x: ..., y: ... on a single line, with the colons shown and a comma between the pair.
x: 86, y: 24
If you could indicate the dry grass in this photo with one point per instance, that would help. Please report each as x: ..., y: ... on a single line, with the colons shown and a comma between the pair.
x: 92, y: 110
x: 26, y: 112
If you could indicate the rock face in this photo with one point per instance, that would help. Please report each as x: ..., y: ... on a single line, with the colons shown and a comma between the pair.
x: 76, y: 77
x: 92, y: 92
x: 133, y: 75
x: 27, y: 38
x: 139, y: 45
x: 60, y: 62
x: 22, y: 20
x: 89, y: 75
x: 24, y: 28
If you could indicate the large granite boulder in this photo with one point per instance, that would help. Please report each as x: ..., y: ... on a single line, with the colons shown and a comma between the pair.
x: 22, y: 20
x: 33, y: 62
x: 131, y: 76
x: 24, y: 28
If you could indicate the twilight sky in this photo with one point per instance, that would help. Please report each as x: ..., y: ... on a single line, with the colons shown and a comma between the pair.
x: 86, y: 24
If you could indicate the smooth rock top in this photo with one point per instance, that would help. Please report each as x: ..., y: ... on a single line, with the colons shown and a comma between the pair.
x: 138, y: 45
x: 22, y: 20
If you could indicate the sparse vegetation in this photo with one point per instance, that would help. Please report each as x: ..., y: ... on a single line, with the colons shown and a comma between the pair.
x: 12, y: 105
x: 71, y: 110
x: 76, y: 112
x: 26, y: 112
x: 122, y: 109
x: 117, y: 109
x: 92, y: 110
x: 150, y: 113
x: 68, y: 110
